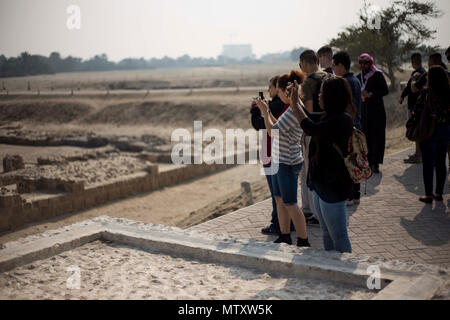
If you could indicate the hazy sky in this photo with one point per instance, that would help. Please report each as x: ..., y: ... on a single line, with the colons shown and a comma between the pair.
x: 150, y: 28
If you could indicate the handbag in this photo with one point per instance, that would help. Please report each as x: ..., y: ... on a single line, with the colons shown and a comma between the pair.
x: 422, y: 124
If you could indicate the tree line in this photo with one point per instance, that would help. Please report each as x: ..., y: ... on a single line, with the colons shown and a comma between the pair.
x: 26, y: 64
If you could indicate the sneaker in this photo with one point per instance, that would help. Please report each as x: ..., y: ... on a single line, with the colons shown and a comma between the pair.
x: 270, y: 230
x: 428, y: 200
x: 356, y: 201
x: 350, y: 203
x: 284, y: 239
x: 307, y: 214
x: 414, y: 159
x: 312, y: 222
x: 303, y: 243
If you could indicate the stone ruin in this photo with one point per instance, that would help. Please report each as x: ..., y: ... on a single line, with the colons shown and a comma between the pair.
x: 12, y: 163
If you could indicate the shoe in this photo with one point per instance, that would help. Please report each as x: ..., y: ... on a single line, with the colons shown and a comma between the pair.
x: 350, y: 203
x: 312, y: 222
x: 427, y: 200
x: 376, y: 169
x: 356, y: 201
x: 414, y: 159
x: 438, y: 198
x: 284, y: 238
x: 307, y: 214
x: 303, y: 243
x: 270, y: 230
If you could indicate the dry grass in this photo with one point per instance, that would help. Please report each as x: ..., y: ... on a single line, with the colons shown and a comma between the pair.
x: 200, y: 77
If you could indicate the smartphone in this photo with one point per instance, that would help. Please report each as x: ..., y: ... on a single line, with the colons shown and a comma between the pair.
x: 261, y: 95
x: 288, y: 92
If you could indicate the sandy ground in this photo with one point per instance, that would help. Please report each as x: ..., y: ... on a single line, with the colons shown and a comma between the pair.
x: 170, y: 206
x: 113, y: 271
x: 183, y: 205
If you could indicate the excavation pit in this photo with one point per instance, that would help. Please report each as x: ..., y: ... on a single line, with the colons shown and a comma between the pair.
x: 122, y: 259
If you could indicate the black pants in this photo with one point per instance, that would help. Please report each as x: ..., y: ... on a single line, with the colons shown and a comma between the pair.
x: 356, y: 194
x: 434, y: 154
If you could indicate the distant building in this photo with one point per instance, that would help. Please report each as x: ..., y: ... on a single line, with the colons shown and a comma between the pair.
x: 237, y: 51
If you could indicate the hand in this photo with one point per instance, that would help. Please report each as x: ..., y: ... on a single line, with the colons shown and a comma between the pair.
x: 293, y: 88
x: 366, y: 94
x: 400, y: 100
x: 262, y: 105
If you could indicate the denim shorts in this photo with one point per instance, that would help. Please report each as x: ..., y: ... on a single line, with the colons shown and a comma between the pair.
x: 285, y: 183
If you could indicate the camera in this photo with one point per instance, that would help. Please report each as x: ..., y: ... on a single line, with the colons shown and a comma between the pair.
x: 261, y: 95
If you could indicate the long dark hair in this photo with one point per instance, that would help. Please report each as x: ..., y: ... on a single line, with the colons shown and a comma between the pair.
x: 337, y: 96
x: 438, y: 84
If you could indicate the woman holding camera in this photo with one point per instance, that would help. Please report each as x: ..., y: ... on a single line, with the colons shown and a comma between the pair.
x: 328, y: 176
x: 287, y: 161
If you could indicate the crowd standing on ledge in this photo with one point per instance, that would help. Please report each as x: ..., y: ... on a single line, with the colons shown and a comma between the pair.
x: 317, y: 112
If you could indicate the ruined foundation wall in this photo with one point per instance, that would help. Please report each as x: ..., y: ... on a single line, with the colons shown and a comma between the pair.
x: 17, y: 209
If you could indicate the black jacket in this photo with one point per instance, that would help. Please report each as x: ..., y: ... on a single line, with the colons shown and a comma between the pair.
x: 276, y: 106
x: 412, y: 97
x: 327, y: 175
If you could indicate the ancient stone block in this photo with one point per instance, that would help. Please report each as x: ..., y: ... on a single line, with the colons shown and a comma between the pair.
x: 77, y: 187
x: 78, y: 203
x: 12, y: 163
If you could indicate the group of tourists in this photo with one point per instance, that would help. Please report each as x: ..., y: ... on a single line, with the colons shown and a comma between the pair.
x: 310, y: 120
x: 428, y: 96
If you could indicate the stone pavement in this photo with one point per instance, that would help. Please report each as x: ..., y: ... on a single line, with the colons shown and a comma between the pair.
x: 389, y: 223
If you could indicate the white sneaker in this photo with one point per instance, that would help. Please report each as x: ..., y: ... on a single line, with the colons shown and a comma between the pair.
x: 349, y: 203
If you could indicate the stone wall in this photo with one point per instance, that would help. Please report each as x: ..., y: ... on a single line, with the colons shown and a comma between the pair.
x: 19, y: 209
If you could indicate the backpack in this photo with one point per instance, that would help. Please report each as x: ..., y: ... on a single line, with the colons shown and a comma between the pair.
x: 421, y: 125
x: 319, y: 80
x: 357, y: 162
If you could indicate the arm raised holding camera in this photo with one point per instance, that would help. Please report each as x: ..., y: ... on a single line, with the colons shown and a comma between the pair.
x: 296, y: 103
x: 269, y: 119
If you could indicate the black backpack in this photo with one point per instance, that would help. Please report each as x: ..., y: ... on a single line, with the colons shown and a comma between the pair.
x: 319, y: 80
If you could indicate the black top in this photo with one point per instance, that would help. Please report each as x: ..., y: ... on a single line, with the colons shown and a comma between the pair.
x: 276, y: 106
x: 440, y: 107
x: 327, y: 175
x: 329, y: 70
x: 412, y: 97
x: 372, y: 109
x: 422, y: 81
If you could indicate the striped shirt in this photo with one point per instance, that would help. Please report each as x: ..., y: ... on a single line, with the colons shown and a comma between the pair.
x: 286, y: 147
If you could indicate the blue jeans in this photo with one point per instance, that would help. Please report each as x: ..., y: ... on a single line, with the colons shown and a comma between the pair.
x: 434, y: 153
x: 274, y: 220
x: 285, y: 183
x: 333, y: 221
